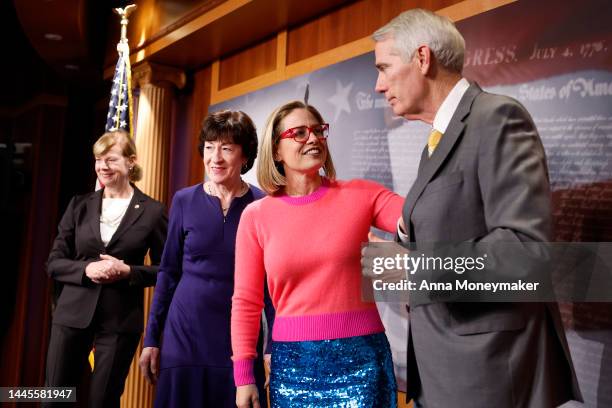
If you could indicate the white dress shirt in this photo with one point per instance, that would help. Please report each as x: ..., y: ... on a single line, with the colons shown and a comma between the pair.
x: 441, y: 120
x: 113, y: 210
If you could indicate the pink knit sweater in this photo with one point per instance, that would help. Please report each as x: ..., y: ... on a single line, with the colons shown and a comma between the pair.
x: 310, y: 249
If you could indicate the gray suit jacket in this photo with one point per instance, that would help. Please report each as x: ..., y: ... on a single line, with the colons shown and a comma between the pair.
x: 486, y: 181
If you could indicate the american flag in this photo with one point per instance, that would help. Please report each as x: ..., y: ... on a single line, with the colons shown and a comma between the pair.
x: 120, y: 106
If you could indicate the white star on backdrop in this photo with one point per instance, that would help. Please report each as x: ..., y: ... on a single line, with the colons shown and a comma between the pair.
x: 340, y: 99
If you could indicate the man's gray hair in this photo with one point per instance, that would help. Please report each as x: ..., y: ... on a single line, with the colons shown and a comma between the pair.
x: 417, y: 27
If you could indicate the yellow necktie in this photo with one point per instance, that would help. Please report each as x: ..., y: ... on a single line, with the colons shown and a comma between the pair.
x: 432, y: 142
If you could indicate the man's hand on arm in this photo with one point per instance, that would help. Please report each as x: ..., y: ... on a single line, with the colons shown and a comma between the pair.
x: 374, y: 255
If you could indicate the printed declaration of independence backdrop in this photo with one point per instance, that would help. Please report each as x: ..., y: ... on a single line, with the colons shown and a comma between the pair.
x: 553, y: 56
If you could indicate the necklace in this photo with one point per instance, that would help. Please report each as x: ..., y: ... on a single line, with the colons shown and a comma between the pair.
x: 212, y: 190
x: 113, y: 210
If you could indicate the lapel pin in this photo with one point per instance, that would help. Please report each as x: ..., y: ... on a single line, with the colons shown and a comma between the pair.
x: 137, y: 206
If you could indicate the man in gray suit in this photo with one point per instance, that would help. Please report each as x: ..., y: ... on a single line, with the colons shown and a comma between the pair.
x: 482, y: 178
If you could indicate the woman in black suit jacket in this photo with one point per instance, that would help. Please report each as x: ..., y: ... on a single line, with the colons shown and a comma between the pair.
x: 98, y: 256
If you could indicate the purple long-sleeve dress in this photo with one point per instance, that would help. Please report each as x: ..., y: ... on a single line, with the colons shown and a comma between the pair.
x: 192, y: 302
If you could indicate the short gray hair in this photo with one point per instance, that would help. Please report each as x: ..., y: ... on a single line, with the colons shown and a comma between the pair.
x: 417, y: 27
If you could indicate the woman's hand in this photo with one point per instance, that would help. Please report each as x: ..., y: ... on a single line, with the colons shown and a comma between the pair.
x: 149, y: 364
x: 247, y: 396
x: 100, y: 271
x: 119, y: 270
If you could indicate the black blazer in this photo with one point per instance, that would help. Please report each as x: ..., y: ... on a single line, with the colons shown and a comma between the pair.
x: 117, y: 306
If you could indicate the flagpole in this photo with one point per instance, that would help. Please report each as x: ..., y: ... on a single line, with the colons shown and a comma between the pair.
x: 121, y: 92
x: 123, y: 49
x: 124, y: 13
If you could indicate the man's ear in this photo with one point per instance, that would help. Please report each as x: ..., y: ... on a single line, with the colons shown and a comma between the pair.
x: 423, y: 56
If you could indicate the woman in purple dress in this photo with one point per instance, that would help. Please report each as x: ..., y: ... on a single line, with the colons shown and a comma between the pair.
x: 187, y: 344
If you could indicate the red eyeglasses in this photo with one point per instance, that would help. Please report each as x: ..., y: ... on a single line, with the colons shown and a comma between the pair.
x: 301, y: 133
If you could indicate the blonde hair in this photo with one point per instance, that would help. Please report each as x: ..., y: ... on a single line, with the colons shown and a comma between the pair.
x: 128, y: 149
x: 270, y: 174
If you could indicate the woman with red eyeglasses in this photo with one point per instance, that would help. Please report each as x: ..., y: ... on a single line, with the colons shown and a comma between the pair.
x: 329, y: 346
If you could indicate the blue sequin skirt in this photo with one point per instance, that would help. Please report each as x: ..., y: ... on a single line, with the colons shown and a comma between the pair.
x: 354, y: 372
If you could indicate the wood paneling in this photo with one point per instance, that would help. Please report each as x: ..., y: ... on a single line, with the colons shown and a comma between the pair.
x: 153, y: 19
x: 348, y: 24
x: 457, y: 10
x: 249, y: 63
x: 195, y: 42
x: 469, y: 8
x: 199, y: 109
x: 249, y: 85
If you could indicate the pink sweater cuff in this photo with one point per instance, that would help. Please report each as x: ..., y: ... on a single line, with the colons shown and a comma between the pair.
x: 243, y: 372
